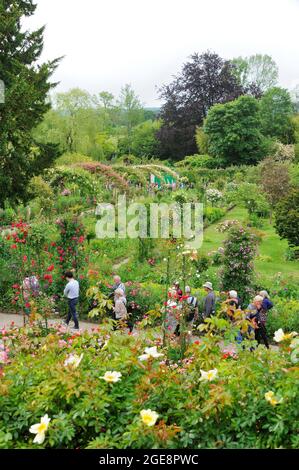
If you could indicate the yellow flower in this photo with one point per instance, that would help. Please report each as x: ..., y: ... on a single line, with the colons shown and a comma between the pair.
x: 270, y: 397
x: 279, y: 335
x: 209, y: 376
x: 111, y: 377
x: 40, y: 429
x: 149, y: 417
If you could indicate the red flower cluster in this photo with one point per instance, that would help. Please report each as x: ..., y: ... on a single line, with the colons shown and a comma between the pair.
x: 49, y: 278
x: 20, y: 234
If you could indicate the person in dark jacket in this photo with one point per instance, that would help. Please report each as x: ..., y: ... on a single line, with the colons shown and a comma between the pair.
x: 267, y: 304
x: 209, y: 301
x: 258, y: 318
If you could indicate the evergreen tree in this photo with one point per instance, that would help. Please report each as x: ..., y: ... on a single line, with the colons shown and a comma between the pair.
x: 26, y: 85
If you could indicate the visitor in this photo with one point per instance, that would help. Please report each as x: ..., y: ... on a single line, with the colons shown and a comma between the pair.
x: 193, y: 306
x: 120, y: 309
x: 30, y: 288
x: 209, y: 301
x: 267, y: 304
x: 71, y: 292
x: 259, y: 317
x: 178, y: 290
x: 233, y: 301
x: 118, y: 285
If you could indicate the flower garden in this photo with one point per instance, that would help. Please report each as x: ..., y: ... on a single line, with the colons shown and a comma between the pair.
x: 110, y: 388
x: 182, y: 339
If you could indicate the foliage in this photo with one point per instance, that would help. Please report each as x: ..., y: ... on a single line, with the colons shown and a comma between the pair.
x: 214, y: 196
x: 285, y: 315
x: 252, y: 198
x: 287, y: 218
x: 68, y: 159
x: 142, y: 141
x: 283, y: 153
x: 202, y: 141
x: 275, y: 180
x: 212, y: 214
x: 75, y: 179
x: 239, y: 252
x: 205, y: 80
x: 27, y: 85
x: 276, y: 110
x: 256, y: 73
x: 197, y: 161
x: 234, y: 132
x: 230, y: 411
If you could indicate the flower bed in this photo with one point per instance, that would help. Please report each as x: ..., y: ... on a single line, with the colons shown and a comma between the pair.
x: 113, y: 390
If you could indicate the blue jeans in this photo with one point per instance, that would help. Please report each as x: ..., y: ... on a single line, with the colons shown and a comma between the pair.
x: 72, y: 312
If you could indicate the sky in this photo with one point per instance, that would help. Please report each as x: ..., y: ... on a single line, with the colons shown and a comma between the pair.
x: 108, y: 43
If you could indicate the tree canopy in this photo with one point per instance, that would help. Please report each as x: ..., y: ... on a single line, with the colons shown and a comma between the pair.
x: 26, y: 88
x: 233, y: 131
x: 205, y: 80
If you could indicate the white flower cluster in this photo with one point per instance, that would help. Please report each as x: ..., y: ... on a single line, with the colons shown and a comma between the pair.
x: 213, y: 195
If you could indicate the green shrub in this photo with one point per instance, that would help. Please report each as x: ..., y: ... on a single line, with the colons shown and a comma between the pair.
x: 87, y: 412
x: 213, y: 214
x: 198, y: 161
x: 68, y: 159
x: 285, y: 315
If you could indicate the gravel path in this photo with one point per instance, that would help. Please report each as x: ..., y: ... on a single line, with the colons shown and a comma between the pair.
x: 7, y: 318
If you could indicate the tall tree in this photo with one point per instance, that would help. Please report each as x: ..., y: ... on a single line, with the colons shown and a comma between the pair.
x: 205, y: 80
x: 275, y: 181
x: 234, y: 132
x: 276, y: 110
x: 26, y: 89
x: 130, y: 107
x: 287, y: 218
x: 257, y: 73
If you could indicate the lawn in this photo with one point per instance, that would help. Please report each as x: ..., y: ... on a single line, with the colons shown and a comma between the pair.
x: 271, y: 251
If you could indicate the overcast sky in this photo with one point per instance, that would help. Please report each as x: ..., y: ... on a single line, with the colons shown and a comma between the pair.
x: 107, y: 43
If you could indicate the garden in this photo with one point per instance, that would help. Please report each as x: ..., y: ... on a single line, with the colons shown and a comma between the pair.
x: 206, y: 355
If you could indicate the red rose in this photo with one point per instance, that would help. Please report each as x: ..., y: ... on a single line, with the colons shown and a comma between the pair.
x: 25, y: 258
x: 13, y: 247
x: 51, y: 268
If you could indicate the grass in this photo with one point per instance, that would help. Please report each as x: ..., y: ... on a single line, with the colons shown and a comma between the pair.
x: 271, y: 248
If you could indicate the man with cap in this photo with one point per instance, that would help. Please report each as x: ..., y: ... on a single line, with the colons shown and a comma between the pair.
x: 209, y: 301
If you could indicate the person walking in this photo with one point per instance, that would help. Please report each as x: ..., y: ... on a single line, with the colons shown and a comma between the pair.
x: 192, y: 305
x: 267, y: 304
x: 118, y: 285
x: 120, y: 309
x: 234, y: 304
x: 209, y: 301
x: 71, y: 292
x: 259, y: 321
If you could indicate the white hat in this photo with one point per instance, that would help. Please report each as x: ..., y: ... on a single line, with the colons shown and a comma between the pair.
x: 188, y: 289
x: 264, y: 294
x: 233, y: 294
x: 208, y: 285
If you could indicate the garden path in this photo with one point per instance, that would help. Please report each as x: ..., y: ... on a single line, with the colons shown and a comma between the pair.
x: 7, y: 318
x: 121, y: 263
